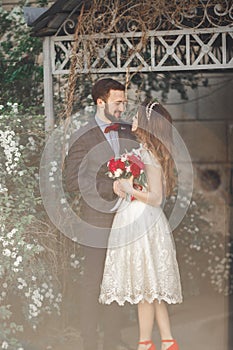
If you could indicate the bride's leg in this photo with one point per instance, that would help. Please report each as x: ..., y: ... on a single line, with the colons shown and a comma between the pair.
x: 163, y: 321
x: 146, y: 314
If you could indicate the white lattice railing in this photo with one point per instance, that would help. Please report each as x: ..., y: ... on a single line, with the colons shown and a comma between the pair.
x: 176, y: 50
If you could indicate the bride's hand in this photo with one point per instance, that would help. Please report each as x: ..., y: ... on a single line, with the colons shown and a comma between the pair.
x: 117, y: 189
x: 126, y: 185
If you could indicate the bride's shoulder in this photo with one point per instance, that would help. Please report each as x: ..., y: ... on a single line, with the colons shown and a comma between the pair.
x: 148, y: 157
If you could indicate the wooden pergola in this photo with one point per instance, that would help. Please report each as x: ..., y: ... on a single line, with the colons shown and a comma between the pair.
x: 199, y: 40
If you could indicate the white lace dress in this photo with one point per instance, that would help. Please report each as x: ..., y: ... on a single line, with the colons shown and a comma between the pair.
x: 141, y: 258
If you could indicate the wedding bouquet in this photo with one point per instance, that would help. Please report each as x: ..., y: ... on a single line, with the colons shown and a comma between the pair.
x: 127, y: 165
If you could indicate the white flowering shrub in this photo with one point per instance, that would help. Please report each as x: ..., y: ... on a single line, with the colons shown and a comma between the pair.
x: 28, y: 271
x: 205, y: 256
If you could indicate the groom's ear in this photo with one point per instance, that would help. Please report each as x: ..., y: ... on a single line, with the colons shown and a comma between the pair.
x: 100, y: 102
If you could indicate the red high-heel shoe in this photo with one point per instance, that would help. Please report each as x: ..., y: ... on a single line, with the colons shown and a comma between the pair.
x: 148, y: 342
x: 174, y: 345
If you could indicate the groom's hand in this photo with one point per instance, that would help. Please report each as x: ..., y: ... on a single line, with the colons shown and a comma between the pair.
x: 117, y: 189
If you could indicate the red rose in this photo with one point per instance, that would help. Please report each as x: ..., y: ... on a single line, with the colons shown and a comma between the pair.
x: 135, y: 170
x: 133, y: 159
x: 112, y: 166
x: 120, y: 164
x: 115, y: 164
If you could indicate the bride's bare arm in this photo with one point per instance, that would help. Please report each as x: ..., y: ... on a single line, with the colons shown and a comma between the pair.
x: 154, y: 195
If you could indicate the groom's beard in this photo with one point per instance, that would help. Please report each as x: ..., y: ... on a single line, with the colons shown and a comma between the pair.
x: 110, y: 116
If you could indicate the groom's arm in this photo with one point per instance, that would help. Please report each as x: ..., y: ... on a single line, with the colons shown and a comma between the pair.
x: 77, y: 175
x: 104, y: 186
x: 76, y: 156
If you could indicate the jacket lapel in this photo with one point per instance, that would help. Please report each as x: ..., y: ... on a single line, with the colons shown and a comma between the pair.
x: 99, y: 138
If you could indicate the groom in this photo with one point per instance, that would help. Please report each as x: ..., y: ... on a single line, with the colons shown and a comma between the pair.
x: 104, y: 137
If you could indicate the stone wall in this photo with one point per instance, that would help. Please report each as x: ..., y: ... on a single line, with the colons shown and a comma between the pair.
x: 205, y: 123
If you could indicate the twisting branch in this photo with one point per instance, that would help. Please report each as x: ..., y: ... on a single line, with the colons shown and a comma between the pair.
x: 73, y: 75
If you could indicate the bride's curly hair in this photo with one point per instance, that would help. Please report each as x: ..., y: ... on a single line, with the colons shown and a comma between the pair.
x: 154, y: 131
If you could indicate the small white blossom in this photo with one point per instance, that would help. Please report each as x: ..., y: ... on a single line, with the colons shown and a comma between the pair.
x: 3, y: 189
x: 5, y: 345
x: 11, y: 233
x: 53, y: 163
x: 123, y: 158
x: 10, y: 145
x: 6, y: 252
x: 118, y: 172
x: 15, y: 108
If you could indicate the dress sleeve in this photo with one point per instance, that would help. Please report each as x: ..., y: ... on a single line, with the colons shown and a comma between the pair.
x: 149, y: 159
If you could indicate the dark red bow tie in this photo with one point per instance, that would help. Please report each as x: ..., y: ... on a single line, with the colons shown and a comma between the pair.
x: 112, y: 127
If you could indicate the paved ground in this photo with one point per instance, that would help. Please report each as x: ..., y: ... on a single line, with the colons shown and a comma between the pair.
x: 199, y: 323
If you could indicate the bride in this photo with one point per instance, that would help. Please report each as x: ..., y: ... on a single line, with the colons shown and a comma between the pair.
x: 141, y: 266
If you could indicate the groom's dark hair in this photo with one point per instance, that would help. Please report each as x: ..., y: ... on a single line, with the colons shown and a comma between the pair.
x: 101, y: 89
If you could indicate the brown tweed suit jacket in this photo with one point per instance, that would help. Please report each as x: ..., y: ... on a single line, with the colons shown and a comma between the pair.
x: 85, y: 171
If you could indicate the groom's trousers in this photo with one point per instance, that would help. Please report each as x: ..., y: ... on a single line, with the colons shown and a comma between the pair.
x: 93, y: 314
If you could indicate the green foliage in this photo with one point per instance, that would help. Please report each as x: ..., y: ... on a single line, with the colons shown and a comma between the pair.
x: 205, y: 256
x: 163, y: 83
x: 8, y: 329
x: 20, y: 73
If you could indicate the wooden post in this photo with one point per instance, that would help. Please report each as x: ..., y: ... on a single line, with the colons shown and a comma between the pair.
x: 48, y: 85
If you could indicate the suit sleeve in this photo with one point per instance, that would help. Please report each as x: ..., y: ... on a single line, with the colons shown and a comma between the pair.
x: 73, y: 160
x: 105, y: 189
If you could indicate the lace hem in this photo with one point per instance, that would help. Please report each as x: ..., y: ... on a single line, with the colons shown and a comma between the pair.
x: 139, y: 298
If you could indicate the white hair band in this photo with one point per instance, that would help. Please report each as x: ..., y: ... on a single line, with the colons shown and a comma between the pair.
x: 149, y: 109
